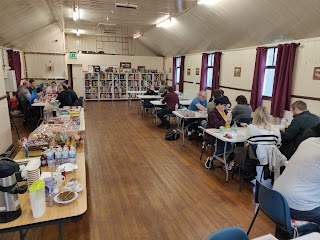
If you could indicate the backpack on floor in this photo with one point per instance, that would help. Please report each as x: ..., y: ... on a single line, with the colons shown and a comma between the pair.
x: 172, y: 135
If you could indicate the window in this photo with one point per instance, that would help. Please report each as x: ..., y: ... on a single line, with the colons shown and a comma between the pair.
x: 210, y: 69
x: 269, y: 71
x: 178, y: 65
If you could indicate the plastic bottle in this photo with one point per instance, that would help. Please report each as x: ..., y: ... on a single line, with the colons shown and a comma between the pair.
x: 45, y: 116
x: 72, y: 155
x: 283, y: 123
x: 234, y: 130
x: 43, y: 158
x: 65, y: 155
x: 58, y: 156
x: 50, y: 158
x: 176, y: 107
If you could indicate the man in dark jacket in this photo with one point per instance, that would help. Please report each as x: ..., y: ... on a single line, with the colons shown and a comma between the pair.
x: 73, y: 95
x: 64, y: 97
x: 293, y: 135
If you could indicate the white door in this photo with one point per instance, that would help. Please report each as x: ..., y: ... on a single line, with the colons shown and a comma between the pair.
x: 78, y: 80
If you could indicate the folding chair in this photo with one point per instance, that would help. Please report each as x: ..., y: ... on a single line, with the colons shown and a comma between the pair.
x: 229, y: 233
x: 275, y: 206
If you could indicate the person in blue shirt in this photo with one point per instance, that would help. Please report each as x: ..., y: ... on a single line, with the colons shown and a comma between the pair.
x: 198, y: 104
x: 36, y: 96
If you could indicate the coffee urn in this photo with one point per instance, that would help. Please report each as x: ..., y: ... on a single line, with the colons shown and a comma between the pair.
x: 9, y: 190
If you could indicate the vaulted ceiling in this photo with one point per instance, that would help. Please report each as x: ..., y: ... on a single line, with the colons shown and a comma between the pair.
x: 222, y: 24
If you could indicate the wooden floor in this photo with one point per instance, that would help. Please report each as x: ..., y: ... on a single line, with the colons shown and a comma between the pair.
x: 143, y: 187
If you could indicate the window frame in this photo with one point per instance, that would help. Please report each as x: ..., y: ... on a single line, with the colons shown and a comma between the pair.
x: 272, y: 66
x: 178, y: 68
x: 209, y: 67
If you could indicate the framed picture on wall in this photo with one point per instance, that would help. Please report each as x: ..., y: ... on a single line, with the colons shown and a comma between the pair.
x: 316, y: 73
x: 197, y: 71
x: 188, y: 71
x: 237, y: 72
x: 125, y: 65
x: 169, y: 70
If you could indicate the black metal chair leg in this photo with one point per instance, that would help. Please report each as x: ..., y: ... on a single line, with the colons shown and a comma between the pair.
x: 254, y: 218
x: 203, y: 146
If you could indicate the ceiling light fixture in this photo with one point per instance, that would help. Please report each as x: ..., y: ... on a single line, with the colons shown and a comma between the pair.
x: 107, y: 24
x: 78, y: 32
x: 75, y: 13
x: 137, y: 35
x: 167, y: 22
x: 199, y: 2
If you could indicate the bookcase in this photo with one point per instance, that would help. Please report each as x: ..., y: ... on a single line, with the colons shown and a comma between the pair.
x: 114, y: 85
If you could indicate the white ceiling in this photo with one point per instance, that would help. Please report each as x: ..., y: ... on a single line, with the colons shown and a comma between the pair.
x: 224, y: 24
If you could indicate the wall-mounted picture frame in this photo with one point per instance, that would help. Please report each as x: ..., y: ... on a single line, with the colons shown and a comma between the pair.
x: 125, y: 65
x: 237, y: 72
x: 197, y: 71
x: 188, y: 71
x: 169, y: 70
x: 316, y: 73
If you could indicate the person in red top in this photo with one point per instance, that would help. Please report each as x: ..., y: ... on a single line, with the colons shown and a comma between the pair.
x: 171, y: 98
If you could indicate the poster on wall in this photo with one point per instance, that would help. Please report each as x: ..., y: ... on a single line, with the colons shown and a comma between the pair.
x: 197, y: 71
x: 188, y: 71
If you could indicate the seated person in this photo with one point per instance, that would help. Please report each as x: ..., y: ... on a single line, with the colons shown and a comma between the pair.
x: 217, y: 118
x: 64, y: 97
x: 211, y: 104
x: 197, y: 104
x: 299, y: 183
x: 242, y: 111
x: 151, y: 91
x: 171, y: 99
x: 311, y: 132
x: 32, y: 85
x: 302, y: 120
x: 52, y: 88
x: 162, y: 88
x: 266, y: 138
x: 36, y: 96
x: 228, y: 106
x: 24, y: 93
x: 73, y: 95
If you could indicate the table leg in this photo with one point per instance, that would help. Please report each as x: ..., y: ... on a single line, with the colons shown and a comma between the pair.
x: 22, y: 233
x: 41, y: 116
x: 225, y: 160
x: 60, y: 231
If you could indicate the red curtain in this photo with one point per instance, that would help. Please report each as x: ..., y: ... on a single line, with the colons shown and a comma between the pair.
x: 281, y: 94
x: 174, y: 73
x: 181, y: 74
x: 216, y: 70
x: 203, y: 77
x: 258, y: 77
x: 15, y: 64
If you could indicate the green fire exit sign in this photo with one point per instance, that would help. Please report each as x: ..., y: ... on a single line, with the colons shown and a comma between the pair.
x: 73, y: 55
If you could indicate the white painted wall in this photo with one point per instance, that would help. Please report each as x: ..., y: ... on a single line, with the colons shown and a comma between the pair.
x: 192, y: 61
x: 38, y: 66
x: 307, y: 57
x: 5, y: 129
x: 85, y: 60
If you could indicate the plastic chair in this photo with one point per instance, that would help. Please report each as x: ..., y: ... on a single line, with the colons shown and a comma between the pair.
x: 147, y: 105
x: 12, y: 122
x: 275, y: 206
x: 229, y: 233
x: 80, y: 100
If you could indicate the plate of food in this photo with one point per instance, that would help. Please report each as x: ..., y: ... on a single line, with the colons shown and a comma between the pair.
x: 65, y: 197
